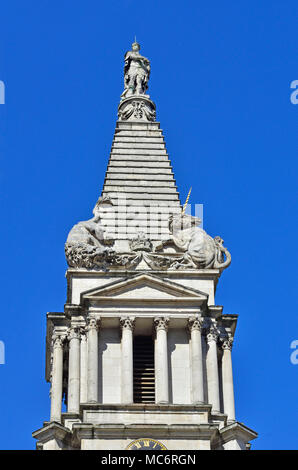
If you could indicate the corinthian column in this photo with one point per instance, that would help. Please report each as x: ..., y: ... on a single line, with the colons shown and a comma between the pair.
x: 161, y: 361
x: 227, y: 379
x: 73, y: 401
x: 57, y: 378
x: 83, y: 367
x: 197, y: 383
x: 92, y: 379
x: 127, y: 325
x: 212, y: 370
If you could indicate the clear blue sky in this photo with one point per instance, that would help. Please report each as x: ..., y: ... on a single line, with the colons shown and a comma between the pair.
x: 221, y: 74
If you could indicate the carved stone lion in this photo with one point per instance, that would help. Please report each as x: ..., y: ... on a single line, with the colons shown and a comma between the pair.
x: 86, y: 244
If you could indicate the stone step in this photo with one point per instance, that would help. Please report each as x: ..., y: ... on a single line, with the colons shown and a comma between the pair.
x: 133, y: 230
x: 139, y: 164
x: 134, y: 223
x: 137, y: 125
x: 143, y: 196
x: 137, y: 171
x: 136, y: 151
x: 139, y: 133
x: 140, y: 189
x: 150, y: 222
x: 143, y: 158
x: 139, y: 140
x: 153, y: 237
x: 144, y: 221
x: 121, y: 204
x: 142, y: 212
x: 141, y: 176
x: 139, y: 183
x: 134, y: 145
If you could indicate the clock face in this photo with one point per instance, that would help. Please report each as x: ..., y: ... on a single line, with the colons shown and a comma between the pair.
x: 146, y: 444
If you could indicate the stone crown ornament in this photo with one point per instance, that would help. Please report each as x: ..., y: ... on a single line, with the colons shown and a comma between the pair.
x: 140, y: 243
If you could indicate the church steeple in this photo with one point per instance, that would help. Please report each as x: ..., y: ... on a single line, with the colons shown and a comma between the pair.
x: 141, y: 353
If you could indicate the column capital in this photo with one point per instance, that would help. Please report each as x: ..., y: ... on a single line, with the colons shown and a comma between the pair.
x: 74, y: 332
x: 58, y: 340
x: 127, y: 323
x: 195, y: 323
x: 227, y: 343
x: 161, y: 323
x: 212, y: 334
x: 92, y: 323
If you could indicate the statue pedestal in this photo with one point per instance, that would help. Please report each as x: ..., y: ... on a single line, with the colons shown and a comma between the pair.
x: 137, y: 108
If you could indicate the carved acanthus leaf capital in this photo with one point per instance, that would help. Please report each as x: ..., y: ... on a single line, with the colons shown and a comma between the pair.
x: 161, y: 323
x: 127, y: 323
x: 212, y: 334
x: 195, y: 323
x: 73, y: 333
x: 227, y: 343
x: 92, y: 323
x: 58, y: 340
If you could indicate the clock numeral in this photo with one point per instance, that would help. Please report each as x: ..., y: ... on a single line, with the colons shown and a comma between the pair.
x: 148, y: 444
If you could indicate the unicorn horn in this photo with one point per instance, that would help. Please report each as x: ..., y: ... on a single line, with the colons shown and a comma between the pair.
x: 185, y: 205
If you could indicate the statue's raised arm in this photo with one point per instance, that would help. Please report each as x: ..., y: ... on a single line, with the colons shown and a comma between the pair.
x: 136, y: 72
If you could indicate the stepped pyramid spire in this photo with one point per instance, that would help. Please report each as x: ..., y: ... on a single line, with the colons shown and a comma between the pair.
x: 140, y: 181
x: 139, y: 178
x: 139, y: 210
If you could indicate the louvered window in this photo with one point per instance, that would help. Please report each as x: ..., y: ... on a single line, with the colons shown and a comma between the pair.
x: 143, y: 370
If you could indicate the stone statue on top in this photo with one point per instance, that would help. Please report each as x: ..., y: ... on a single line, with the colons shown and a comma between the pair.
x: 136, y: 72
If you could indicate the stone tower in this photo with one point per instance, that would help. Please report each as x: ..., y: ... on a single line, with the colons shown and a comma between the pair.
x: 141, y: 353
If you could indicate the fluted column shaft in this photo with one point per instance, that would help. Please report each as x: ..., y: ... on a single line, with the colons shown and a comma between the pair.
x: 161, y: 361
x: 57, y: 379
x: 227, y: 380
x: 212, y: 370
x: 83, y: 368
x: 197, y: 383
x: 73, y: 401
x: 127, y: 326
x: 92, y: 380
